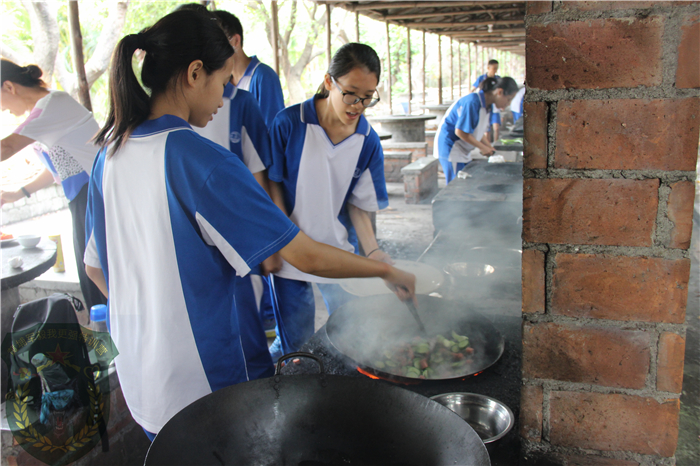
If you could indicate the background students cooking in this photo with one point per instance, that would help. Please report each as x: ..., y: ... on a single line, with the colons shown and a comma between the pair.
x: 466, y: 122
x: 327, y: 173
x: 169, y: 230
x: 491, y: 72
x: 61, y: 130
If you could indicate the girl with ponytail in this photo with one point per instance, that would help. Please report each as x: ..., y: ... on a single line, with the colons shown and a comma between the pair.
x: 467, y: 121
x: 60, y: 130
x: 173, y: 218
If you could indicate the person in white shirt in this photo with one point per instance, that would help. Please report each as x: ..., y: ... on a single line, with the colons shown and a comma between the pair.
x: 61, y: 130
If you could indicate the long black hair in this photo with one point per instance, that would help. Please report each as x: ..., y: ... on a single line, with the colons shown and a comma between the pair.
x: 27, y: 76
x: 348, y: 57
x: 171, y: 44
x: 508, y: 85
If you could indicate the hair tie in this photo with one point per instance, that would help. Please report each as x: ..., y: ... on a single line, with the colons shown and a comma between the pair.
x: 141, y: 41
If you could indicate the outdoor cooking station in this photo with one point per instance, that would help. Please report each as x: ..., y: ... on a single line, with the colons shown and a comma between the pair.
x: 474, y: 237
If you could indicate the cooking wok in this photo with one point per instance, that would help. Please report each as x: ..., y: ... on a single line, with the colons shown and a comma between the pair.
x: 320, y: 419
x: 364, y: 328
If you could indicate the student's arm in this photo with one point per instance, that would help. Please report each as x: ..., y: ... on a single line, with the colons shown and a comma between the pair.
x: 44, y: 179
x: 12, y: 144
x: 261, y: 178
x: 277, y: 196
x: 470, y: 139
x: 98, y: 278
x: 365, y: 234
x: 496, y: 131
x: 322, y: 260
x: 487, y: 142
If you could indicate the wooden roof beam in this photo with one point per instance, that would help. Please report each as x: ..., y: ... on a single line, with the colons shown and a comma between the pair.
x: 448, y: 13
x: 423, y: 25
x: 426, y: 4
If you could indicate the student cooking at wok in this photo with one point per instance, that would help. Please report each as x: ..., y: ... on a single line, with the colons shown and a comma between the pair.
x: 173, y: 218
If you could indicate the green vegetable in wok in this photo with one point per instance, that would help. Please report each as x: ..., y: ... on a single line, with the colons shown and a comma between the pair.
x: 436, y: 357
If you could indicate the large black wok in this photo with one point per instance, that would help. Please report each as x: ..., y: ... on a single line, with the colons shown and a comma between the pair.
x: 365, y: 327
x: 316, y: 420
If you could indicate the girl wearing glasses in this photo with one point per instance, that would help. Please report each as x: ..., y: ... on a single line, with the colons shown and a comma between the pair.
x: 327, y: 174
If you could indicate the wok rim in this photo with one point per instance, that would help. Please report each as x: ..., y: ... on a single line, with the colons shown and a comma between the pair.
x: 395, y: 378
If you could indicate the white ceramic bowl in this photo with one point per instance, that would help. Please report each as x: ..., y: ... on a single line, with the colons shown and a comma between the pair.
x: 29, y: 241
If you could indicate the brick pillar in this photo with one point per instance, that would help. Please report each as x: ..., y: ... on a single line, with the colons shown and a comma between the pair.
x: 612, y: 117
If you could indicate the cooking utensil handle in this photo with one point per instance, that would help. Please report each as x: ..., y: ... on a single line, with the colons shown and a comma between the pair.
x: 414, y: 312
x: 278, y: 367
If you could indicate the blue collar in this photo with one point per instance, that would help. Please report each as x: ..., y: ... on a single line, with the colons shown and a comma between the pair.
x: 230, y: 91
x: 482, y: 98
x: 309, y: 116
x: 251, y: 66
x: 160, y: 125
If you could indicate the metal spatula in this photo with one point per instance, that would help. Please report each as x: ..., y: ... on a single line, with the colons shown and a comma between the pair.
x: 412, y: 307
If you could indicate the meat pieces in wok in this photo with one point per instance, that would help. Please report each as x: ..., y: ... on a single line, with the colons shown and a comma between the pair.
x: 428, y: 358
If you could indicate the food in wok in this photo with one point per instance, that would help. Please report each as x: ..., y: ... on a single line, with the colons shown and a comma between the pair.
x: 436, y: 357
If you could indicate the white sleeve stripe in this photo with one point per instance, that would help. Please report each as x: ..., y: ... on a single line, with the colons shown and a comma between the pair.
x: 251, y: 158
x: 364, y: 195
x: 91, y: 257
x: 213, y: 238
x: 265, y: 253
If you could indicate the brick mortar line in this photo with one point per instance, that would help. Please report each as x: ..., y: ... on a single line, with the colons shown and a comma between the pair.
x: 663, y: 226
x: 546, y: 420
x: 552, y: 108
x: 613, y: 93
x: 653, y: 375
x: 602, y: 174
x: 670, y: 42
x: 625, y: 325
x: 532, y: 448
x: 658, y: 252
x: 552, y: 385
x: 562, y: 15
x: 550, y: 265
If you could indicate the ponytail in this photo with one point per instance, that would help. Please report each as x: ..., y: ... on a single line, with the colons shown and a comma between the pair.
x: 508, y: 85
x: 27, y: 76
x: 129, y: 105
x: 171, y: 45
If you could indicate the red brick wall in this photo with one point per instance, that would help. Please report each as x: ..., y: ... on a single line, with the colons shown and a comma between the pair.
x: 612, y: 117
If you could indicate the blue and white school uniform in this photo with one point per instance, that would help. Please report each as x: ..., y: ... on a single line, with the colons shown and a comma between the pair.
x: 318, y: 179
x: 239, y: 126
x: 516, y: 105
x: 469, y: 114
x: 262, y: 81
x: 170, y: 231
x: 481, y: 78
x: 495, y: 118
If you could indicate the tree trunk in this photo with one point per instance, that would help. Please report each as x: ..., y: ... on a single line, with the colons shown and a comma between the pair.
x: 77, y: 53
x: 45, y: 36
x: 110, y: 35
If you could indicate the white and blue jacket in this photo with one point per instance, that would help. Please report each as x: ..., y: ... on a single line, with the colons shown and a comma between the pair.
x: 262, y: 81
x: 319, y: 178
x: 169, y: 217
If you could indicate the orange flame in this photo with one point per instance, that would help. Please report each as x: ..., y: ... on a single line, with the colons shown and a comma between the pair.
x: 403, y: 381
x: 364, y: 372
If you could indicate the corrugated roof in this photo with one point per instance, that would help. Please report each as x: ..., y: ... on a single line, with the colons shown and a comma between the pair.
x: 496, y: 24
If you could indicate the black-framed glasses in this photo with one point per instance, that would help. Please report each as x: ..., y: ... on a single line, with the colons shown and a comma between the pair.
x: 351, y: 99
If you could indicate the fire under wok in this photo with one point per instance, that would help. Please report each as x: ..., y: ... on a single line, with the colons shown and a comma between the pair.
x: 383, y: 338
x: 314, y: 420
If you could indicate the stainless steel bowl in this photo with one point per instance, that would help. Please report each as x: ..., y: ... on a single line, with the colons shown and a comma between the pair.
x: 490, y: 418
